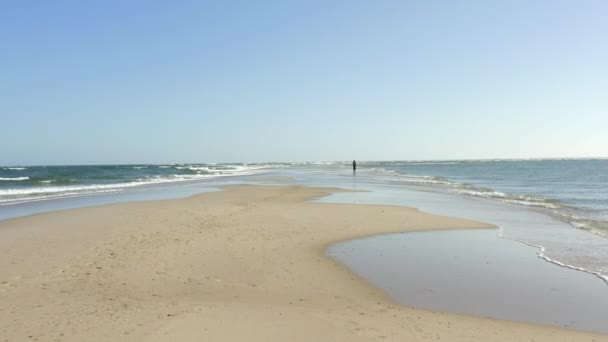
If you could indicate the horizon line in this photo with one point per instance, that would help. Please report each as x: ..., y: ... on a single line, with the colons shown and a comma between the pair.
x: 323, y: 161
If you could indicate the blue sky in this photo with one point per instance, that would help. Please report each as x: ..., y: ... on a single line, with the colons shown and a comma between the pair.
x: 192, y: 81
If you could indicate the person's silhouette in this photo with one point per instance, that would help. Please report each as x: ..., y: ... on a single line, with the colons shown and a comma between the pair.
x: 354, y: 167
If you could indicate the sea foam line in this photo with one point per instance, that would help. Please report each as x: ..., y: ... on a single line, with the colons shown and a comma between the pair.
x: 14, y: 179
x: 16, y: 196
x: 540, y: 252
x: 468, y: 190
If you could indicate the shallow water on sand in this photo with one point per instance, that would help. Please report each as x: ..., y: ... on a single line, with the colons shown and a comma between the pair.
x: 474, y: 272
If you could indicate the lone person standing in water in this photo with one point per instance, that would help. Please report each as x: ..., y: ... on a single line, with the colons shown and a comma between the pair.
x: 354, y: 167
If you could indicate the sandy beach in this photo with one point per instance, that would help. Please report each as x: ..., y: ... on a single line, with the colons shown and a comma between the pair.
x: 244, y: 264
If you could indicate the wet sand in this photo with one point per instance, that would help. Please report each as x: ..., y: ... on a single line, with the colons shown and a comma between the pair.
x: 244, y: 264
x: 476, y: 272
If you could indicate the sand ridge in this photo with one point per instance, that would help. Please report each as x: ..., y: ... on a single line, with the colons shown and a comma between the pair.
x: 244, y: 264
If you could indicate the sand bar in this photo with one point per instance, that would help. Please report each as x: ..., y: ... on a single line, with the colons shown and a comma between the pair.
x: 246, y: 264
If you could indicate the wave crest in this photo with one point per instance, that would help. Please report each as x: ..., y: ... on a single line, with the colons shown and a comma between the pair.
x: 14, y: 179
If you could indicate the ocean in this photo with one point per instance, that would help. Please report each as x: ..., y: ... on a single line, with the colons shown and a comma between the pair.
x: 571, y: 193
x: 575, y: 191
x: 20, y: 184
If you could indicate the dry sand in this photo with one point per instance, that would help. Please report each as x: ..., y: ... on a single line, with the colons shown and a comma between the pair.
x: 246, y: 264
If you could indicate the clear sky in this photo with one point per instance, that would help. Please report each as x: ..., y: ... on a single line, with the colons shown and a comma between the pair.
x: 196, y: 81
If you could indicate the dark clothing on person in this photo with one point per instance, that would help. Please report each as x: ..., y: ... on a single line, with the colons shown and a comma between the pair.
x: 354, y: 166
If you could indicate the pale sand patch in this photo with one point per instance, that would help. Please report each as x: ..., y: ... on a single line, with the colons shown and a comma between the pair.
x: 246, y: 264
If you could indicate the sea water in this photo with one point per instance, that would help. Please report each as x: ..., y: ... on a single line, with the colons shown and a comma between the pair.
x: 572, y: 192
x: 19, y: 184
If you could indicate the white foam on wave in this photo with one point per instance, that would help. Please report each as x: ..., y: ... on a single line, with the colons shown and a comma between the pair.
x: 598, y: 227
x: 480, y: 193
x: 16, y: 168
x: 464, y: 189
x: 562, y: 212
x: 65, y: 189
x: 96, y: 187
x: 20, y: 195
x: 14, y: 179
x: 540, y: 252
x: 422, y: 180
x: 37, y: 198
x: 224, y: 169
x: 396, y: 176
x: 194, y: 168
x: 526, y: 200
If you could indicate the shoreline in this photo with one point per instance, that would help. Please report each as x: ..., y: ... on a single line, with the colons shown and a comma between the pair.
x: 191, y: 268
x: 474, y: 272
